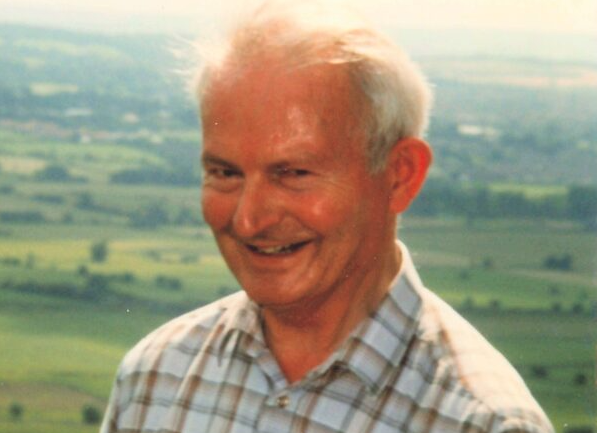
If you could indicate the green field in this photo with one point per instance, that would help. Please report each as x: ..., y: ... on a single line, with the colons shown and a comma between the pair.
x: 63, y: 352
x: 512, y: 137
x: 66, y: 320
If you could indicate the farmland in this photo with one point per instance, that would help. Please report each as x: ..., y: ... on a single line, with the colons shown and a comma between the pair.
x: 66, y: 319
x: 102, y: 239
x: 64, y: 352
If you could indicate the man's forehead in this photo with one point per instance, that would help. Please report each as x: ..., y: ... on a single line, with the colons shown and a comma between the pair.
x: 294, y: 126
x: 320, y: 93
x: 281, y: 121
x: 267, y: 72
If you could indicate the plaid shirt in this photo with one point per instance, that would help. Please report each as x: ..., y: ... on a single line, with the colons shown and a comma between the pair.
x: 414, y: 366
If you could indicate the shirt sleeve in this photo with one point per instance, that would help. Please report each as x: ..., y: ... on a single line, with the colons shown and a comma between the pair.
x: 110, y: 421
x: 532, y: 423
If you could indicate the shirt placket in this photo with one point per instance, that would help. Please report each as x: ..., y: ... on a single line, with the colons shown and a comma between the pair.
x: 279, y: 409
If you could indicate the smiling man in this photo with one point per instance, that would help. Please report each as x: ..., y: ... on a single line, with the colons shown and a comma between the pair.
x: 312, y: 147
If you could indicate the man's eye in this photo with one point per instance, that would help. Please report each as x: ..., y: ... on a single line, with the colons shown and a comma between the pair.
x: 222, y: 179
x: 292, y: 172
x: 295, y: 178
x: 222, y: 173
x: 300, y: 172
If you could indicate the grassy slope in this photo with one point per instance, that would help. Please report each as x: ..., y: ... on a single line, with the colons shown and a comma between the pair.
x: 62, y: 356
x: 450, y: 256
x: 63, y: 353
x: 82, y: 343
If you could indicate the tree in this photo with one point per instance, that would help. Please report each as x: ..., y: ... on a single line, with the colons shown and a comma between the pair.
x: 495, y: 304
x: 582, y: 204
x: 99, y: 252
x: 24, y: 216
x: 487, y: 263
x: 91, y: 414
x: 468, y: 303
x: 153, y: 215
x: 7, y: 189
x: 96, y: 287
x: 54, y: 173
x: 84, y: 200
x: 166, y: 282
x: 16, y: 411
x: 580, y: 379
x: 539, y: 371
x: 577, y: 308
x: 556, y: 262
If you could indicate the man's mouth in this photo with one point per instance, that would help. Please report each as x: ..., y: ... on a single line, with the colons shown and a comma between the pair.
x: 277, y: 249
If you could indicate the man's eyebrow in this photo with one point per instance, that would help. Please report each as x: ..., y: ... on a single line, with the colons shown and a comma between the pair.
x: 208, y: 158
x: 304, y: 157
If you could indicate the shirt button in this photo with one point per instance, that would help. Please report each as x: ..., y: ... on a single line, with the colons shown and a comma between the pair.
x: 282, y: 401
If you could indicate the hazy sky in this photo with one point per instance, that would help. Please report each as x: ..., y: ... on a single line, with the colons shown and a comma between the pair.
x: 566, y: 16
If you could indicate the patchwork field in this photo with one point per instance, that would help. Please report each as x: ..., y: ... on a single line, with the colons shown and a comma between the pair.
x: 91, y: 266
x: 63, y: 350
x: 102, y: 239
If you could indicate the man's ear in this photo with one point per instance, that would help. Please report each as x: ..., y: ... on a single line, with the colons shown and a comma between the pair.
x: 408, y: 162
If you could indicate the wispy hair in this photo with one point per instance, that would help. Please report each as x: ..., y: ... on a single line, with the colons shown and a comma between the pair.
x: 310, y: 32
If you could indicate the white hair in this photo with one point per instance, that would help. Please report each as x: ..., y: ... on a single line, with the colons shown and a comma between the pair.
x: 310, y: 32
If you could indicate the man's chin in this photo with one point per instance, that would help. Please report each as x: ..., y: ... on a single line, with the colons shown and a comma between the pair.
x: 273, y: 292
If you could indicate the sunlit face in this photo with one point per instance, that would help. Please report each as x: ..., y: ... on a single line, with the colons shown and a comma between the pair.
x: 294, y: 210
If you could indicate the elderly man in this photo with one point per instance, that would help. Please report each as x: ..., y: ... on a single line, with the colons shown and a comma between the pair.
x: 310, y: 152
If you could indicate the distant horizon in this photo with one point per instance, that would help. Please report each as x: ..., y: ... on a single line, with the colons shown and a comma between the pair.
x: 144, y: 30
x: 557, y: 17
x: 421, y: 43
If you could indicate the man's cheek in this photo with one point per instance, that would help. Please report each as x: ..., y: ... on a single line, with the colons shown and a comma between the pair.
x: 322, y: 212
x: 217, y: 210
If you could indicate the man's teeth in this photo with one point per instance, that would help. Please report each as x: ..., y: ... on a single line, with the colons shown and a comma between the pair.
x: 280, y: 249
x: 274, y: 250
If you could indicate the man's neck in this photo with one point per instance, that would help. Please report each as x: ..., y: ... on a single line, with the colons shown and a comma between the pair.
x: 302, y: 337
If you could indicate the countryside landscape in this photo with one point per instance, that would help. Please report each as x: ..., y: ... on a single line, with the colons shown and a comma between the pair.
x: 102, y: 239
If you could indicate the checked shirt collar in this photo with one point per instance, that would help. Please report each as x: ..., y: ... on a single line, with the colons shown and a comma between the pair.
x: 372, y: 352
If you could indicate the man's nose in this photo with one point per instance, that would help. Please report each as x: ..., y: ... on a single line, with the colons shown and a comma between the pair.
x: 257, y: 209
